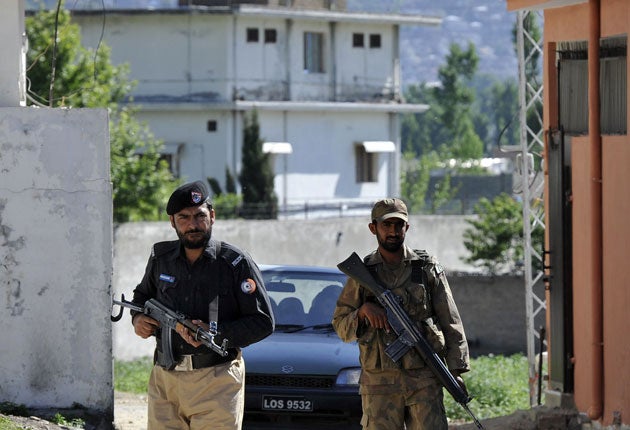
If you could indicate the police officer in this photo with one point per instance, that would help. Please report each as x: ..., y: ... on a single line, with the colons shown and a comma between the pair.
x: 406, y: 394
x: 206, y: 280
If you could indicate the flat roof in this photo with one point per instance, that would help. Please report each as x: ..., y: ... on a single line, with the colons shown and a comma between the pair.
x: 272, y: 12
x: 309, y: 106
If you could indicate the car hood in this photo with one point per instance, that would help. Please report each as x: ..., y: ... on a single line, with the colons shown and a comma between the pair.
x: 303, y: 353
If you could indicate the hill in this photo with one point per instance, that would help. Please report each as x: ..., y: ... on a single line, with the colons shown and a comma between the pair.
x: 485, y: 23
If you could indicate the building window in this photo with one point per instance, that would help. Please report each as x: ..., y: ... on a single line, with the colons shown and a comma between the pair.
x: 271, y: 35
x: 252, y: 35
x: 613, y: 85
x: 357, y: 40
x: 365, y: 164
x: 170, y: 154
x: 211, y: 125
x: 314, y: 52
x: 375, y: 40
x: 573, y: 87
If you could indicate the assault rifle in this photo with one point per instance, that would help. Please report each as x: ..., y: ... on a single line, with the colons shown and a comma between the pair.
x: 171, y: 320
x: 409, y: 336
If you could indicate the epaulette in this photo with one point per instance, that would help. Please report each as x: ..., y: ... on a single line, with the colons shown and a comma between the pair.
x: 230, y: 254
x: 429, y: 263
x: 423, y: 254
x: 162, y: 248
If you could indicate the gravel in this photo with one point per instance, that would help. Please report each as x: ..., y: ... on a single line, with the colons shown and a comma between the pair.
x: 130, y: 413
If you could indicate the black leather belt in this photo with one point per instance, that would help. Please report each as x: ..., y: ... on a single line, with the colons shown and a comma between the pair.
x: 198, y: 361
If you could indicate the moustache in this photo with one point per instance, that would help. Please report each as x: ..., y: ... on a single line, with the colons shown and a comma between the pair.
x: 194, y: 231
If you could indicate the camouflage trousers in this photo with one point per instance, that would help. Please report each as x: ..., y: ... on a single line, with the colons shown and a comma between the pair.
x: 420, y: 410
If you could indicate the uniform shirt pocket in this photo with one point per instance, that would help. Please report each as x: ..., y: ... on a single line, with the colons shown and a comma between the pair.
x: 419, y: 302
x: 166, y: 282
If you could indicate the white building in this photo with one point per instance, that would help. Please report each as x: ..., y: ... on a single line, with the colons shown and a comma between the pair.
x: 325, y: 83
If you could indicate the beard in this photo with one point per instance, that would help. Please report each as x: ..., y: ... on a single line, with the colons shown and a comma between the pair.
x: 392, y: 244
x: 195, y: 239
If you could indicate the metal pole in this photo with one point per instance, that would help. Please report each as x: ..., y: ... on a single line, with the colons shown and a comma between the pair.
x: 529, y: 280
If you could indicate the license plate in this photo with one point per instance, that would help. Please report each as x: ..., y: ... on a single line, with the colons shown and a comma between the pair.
x: 284, y: 403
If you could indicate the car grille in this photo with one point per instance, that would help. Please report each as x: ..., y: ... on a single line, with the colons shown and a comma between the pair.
x: 297, y: 381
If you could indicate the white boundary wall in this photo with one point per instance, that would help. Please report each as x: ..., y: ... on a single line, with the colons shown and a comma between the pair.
x: 55, y: 258
x: 319, y: 242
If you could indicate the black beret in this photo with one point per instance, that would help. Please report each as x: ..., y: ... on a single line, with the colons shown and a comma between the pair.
x: 188, y: 195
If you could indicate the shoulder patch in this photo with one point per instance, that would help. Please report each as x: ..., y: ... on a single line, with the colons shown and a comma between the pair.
x: 439, y: 269
x: 248, y: 286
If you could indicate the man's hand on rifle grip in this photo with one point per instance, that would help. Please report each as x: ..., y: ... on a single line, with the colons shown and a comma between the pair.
x: 189, y: 336
x: 144, y: 326
x: 373, y: 315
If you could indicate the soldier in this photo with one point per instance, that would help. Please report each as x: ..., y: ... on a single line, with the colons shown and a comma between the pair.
x: 206, y: 280
x: 406, y: 394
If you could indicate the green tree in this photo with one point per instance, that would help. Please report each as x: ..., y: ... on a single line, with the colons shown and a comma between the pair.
x: 67, y: 74
x: 256, y: 178
x: 446, y: 131
x: 455, y: 98
x: 141, y: 182
x: 419, y: 130
x: 230, y: 182
x: 226, y: 205
x: 414, y: 181
x: 497, y: 112
x: 495, y: 238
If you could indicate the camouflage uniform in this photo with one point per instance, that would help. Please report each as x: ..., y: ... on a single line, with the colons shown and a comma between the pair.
x: 405, y: 393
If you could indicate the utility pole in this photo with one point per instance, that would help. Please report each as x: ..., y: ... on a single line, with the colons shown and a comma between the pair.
x: 531, y: 142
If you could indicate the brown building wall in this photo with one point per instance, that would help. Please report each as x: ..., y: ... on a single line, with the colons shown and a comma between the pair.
x: 572, y: 23
x: 584, y: 335
x: 616, y: 275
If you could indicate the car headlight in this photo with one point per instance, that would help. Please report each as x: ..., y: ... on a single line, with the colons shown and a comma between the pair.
x: 349, y: 377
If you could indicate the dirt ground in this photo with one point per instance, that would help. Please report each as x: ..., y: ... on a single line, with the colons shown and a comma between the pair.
x: 130, y: 413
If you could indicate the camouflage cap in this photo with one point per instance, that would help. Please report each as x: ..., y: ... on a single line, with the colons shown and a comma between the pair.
x: 187, y: 195
x: 389, y: 208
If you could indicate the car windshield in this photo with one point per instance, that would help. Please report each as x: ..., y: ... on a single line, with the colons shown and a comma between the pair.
x: 303, y: 298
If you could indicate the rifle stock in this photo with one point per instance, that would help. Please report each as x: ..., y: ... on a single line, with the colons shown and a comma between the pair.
x: 409, y: 336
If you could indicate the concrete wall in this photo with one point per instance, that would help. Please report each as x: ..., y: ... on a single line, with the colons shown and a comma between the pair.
x: 55, y: 258
x: 492, y: 308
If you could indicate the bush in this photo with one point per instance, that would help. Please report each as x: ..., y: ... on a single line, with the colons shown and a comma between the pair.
x: 132, y: 376
x: 227, y: 206
x: 498, y: 385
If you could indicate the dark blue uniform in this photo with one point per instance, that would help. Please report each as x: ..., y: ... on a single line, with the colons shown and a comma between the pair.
x: 244, y: 317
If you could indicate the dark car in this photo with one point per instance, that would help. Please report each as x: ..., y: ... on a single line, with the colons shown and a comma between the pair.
x: 303, y: 375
